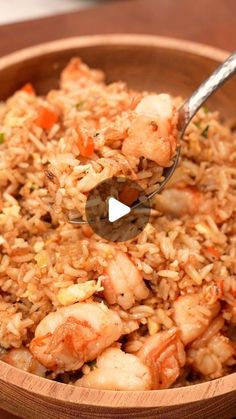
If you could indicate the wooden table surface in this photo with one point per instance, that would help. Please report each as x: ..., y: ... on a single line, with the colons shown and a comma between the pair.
x: 208, y: 21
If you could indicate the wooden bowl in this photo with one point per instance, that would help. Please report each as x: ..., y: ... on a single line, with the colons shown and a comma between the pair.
x: 145, y: 62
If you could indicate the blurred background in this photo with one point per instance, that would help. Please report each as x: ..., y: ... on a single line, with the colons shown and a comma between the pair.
x: 30, y: 22
x: 17, y: 10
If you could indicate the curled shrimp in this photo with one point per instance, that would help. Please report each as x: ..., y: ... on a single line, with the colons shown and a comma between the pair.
x: 164, y: 354
x: 123, y: 283
x: 153, y: 133
x: 23, y: 359
x: 116, y: 370
x: 79, y: 74
x: 72, y: 335
x: 212, y: 352
x: 193, y: 315
x: 179, y: 201
x: 156, y: 365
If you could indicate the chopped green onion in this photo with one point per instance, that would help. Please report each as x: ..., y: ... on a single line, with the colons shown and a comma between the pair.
x: 197, y: 124
x: 205, y: 109
x: 204, y: 133
x: 1, y: 137
x: 79, y: 105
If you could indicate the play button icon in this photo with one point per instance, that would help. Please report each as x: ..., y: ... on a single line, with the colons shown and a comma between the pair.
x: 110, y: 209
x: 116, y: 210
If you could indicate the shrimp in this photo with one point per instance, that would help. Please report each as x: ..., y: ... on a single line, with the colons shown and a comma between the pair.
x: 181, y: 199
x: 116, y: 370
x: 212, y: 352
x: 76, y: 73
x: 178, y: 202
x: 156, y: 365
x: 192, y: 314
x: 153, y: 133
x: 23, y: 359
x: 123, y: 283
x: 164, y: 354
x: 69, y: 337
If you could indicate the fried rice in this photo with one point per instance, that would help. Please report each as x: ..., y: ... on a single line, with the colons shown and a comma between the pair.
x: 188, y: 248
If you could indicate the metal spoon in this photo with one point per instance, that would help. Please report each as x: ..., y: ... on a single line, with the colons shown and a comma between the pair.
x: 187, y: 112
x: 190, y: 107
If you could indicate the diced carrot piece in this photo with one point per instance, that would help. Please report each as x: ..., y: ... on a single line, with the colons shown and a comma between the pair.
x: 128, y: 195
x: 86, y: 146
x: 88, y: 232
x: 28, y: 88
x: 46, y: 118
x: 213, y: 252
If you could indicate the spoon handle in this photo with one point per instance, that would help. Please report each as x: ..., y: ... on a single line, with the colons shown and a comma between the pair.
x: 220, y: 76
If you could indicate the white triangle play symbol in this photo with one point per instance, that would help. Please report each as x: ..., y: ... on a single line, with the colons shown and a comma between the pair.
x: 116, y: 209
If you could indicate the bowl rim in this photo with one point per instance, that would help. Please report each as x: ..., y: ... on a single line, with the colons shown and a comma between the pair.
x: 106, y: 398
x: 63, y: 44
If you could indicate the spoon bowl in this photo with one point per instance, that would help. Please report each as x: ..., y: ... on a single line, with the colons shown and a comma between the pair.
x: 186, y: 113
x: 190, y: 107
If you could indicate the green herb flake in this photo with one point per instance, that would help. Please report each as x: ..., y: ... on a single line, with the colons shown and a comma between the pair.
x: 1, y: 137
x: 79, y: 105
x: 33, y: 187
x: 92, y: 364
x: 197, y: 124
x: 205, y: 109
x: 204, y: 133
x: 96, y: 134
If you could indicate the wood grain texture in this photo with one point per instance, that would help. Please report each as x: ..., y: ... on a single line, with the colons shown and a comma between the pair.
x: 208, y: 21
x: 139, y: 60
x: 33, y: 397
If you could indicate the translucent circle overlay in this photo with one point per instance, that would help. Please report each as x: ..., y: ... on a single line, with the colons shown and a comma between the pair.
x: 129, y: 193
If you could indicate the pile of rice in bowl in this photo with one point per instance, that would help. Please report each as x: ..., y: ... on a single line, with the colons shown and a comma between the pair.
x: 153, y: 312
